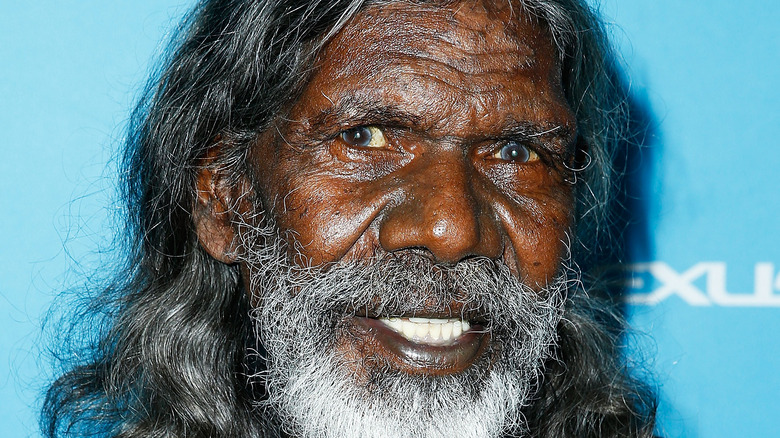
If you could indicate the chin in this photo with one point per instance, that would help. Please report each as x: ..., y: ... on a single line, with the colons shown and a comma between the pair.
x: 324, y: 399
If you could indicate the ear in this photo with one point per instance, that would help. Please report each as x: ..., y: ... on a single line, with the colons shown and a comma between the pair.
x: 213, y: 211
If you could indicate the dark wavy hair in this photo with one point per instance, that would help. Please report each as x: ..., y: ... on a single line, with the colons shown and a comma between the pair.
x: 160, y: 351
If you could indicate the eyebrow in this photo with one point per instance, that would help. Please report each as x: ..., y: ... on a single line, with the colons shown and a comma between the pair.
x: 357, y: 109
x: 532, y: 130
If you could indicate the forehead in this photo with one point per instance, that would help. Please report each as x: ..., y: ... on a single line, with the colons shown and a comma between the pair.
x: 448, y: 66
x: 468, y: 37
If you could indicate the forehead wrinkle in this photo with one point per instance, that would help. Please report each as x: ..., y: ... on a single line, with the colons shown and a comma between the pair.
x: 482, y: 94
x: 469, y: 45
x: 421, y: 94
x: 476, y: 64
x: 475, y: 36
x: 434, y: 70
x: 372, y: 57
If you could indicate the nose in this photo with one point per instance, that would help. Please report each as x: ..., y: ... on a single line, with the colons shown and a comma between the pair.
x: 441, y: 212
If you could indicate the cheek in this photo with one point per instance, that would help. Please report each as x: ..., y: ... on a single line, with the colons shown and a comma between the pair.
x: 536, y: 219
x: 326, y: 215
x: 325, y: 199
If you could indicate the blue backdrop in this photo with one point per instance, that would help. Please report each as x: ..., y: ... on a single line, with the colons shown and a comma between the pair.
x: 705, y: 287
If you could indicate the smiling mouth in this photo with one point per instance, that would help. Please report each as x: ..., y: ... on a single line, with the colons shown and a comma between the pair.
x: 428, y: 331
x: 427, y: 346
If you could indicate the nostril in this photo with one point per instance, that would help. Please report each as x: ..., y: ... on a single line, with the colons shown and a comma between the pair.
x: 421, y: 251
x: 412, y: 255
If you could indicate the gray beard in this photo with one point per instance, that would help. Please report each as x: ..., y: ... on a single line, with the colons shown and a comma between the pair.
x: 299, y: 316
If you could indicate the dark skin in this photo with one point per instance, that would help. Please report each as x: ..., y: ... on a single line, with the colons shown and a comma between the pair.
x: 438, y: 131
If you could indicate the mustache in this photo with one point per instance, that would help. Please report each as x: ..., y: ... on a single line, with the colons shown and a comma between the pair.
x: 404, y: 284
x: 426, y: 284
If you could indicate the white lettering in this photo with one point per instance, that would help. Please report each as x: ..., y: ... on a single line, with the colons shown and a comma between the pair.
x: 672, y: 283
x: 766, y: 284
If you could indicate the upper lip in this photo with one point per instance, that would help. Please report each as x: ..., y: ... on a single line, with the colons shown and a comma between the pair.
x: 432, y: 307
x: 453, y: 311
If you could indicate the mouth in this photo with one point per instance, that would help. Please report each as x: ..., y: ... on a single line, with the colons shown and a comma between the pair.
x: 422, y: 346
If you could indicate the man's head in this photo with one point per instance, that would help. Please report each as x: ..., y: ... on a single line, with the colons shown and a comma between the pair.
x: 424, y: 168
x: 364, y: 218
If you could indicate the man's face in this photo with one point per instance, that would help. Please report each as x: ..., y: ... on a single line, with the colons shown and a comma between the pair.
x: 420, y: 187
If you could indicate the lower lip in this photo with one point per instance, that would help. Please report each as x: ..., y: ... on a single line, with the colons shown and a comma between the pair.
x: 414, y: 358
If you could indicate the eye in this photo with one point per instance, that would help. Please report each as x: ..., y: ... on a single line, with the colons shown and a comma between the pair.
x: 516, y: 153
x: 365, y: 136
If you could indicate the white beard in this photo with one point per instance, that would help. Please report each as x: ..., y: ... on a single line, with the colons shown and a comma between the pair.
x: 312, y: 390
x: 325, y: 402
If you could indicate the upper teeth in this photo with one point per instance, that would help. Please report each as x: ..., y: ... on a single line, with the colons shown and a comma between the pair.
x: 427, y: 330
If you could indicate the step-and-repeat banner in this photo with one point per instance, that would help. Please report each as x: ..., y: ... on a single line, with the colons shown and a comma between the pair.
x: 702, y: 291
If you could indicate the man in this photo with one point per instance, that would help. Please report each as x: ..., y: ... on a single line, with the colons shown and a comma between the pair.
x: 355, y: 218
